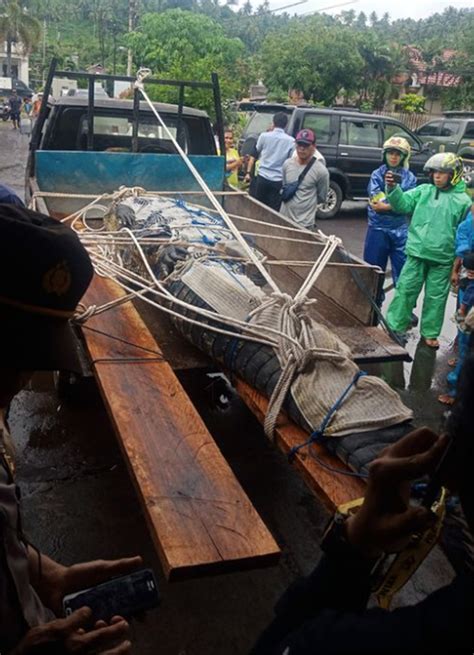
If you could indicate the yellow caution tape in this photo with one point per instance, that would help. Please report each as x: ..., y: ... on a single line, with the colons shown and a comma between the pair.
x: 409, y: 559
x: 346, y: 509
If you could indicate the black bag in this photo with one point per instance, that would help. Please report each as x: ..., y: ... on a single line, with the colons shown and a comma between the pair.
x: 289, y: 190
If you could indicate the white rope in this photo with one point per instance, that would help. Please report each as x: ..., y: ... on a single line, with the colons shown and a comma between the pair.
x: 319, y: 265
x: 141, y: 75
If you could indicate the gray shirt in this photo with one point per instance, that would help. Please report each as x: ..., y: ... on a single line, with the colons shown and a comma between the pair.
x: 273, y: 150
x: 312, y: 191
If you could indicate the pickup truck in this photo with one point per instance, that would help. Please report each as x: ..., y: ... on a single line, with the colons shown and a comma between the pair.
x: 200, y: 518
x: 350, y: 141
x: 454, y: 133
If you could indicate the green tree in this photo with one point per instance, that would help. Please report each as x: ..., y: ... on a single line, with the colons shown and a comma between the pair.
x: 184, y: 45
x: 320, y: 59
x: 382, y: 61
x: 16, y: 26
x: 411, y: 103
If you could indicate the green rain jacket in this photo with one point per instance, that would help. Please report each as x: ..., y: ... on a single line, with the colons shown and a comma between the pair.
x: 436, y: 214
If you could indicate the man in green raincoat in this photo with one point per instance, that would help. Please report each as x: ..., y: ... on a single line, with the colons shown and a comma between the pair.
x: 437, y: 209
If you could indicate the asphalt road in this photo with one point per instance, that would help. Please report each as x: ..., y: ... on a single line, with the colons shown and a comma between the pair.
x: 79, y: 503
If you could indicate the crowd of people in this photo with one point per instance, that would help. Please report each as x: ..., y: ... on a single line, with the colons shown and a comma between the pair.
x: 424, y: 230
x: 17, y: 106
x: 287, y: 174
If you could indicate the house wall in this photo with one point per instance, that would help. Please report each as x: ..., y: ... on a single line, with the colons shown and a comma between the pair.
x: 20, y: 63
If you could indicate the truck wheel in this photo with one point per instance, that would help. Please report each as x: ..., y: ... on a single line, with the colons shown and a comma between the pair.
x: 333, y: 202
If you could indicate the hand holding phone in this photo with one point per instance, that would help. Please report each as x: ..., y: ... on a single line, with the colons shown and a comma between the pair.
x: 125, y: 596
x: 397, y: 178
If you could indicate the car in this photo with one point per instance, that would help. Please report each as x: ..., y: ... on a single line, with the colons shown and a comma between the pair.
x: 350, y: 141
x: 22, y: 90
x: 454, y: 132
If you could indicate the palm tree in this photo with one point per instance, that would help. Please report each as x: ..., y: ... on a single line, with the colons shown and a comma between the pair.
x: 16, y: 26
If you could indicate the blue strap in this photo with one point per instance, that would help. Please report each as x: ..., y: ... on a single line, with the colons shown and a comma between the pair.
x: 318, y: 434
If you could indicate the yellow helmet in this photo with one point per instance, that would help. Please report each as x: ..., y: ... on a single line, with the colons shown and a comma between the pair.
x: 446, y: 162
x: 399, y: 144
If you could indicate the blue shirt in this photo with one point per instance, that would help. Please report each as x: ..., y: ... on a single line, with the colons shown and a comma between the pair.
x: 273, y: 149
x: 389, y: 220
x: 9, y: 197
x: 465, y: 236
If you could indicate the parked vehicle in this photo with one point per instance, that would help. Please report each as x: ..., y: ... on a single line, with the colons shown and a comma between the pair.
x: 453, y: 133
x: 350, y: 141
x: 67, y: 127
x: 22, y: 90
x: 5, y: 111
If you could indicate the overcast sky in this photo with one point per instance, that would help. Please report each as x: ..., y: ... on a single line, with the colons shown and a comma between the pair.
x: 399, y: 9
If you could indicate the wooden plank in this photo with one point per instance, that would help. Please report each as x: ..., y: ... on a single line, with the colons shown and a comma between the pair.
x: 200, y: 519
x: 371, y: 345
x: 331, y: 488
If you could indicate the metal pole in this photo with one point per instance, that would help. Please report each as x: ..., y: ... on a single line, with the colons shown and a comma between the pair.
x: 218, y: 110
x: 44, y: 50
x: 136, y: 117
x: 39, y: 123
x: 180, y: 114
x: 90, y: 113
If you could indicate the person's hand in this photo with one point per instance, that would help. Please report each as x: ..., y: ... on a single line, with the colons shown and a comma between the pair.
x: 247, y: 177
x: 58, y: 580
x: 390, y: 180
x: 378, y: 205
x: 386, y: 520
x: 73, y: 636
x: 455, y: 279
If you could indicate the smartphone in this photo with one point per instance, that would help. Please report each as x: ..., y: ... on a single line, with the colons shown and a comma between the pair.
x: 124, y: 596
x: 433, y: 487
x: 397, y: 178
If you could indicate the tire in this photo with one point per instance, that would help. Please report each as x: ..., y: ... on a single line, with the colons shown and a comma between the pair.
x: 468, y: 175
x: 333, y: 202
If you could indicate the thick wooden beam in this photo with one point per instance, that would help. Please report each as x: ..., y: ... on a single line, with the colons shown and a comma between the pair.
x: 200, y: 519
x: 331, y: 488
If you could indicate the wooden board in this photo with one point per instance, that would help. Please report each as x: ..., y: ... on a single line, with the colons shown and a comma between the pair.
x: 331, y: 488
x: 200, y: 519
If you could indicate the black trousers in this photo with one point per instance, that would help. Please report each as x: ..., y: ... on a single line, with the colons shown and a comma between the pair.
x: 268, y: 192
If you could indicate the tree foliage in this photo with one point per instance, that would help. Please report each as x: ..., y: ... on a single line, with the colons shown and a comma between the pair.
x: 17, y: 26
x: 298, y: 57
x: 353, y: 55
x: 179, y: 44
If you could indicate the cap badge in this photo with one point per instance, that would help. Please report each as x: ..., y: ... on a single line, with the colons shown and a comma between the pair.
x: 58, y: 279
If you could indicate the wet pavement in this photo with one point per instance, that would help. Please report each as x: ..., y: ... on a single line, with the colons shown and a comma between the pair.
x: 79, y: 502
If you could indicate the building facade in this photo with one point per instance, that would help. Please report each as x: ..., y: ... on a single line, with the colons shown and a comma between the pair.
x: 20, y: 63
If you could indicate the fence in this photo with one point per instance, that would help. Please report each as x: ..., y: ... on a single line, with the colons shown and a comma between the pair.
x: 412, y: 121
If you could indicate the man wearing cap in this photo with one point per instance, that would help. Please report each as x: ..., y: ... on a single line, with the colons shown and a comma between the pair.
x: 272, y: 150
x: 44, y: 272
x: 311, y: 177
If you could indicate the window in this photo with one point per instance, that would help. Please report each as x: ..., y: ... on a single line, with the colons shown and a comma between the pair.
x: 430, y: 129
x: 469, y: 133
x: 392, y: 129
x: 321, y: 126
x: 364, y: 134
x: 450, y: 128
x: 123, y: 126
x: 114, y: 133
x: 260, y: 122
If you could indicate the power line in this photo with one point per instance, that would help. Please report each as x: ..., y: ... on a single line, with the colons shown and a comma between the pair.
x: 339, y: 4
